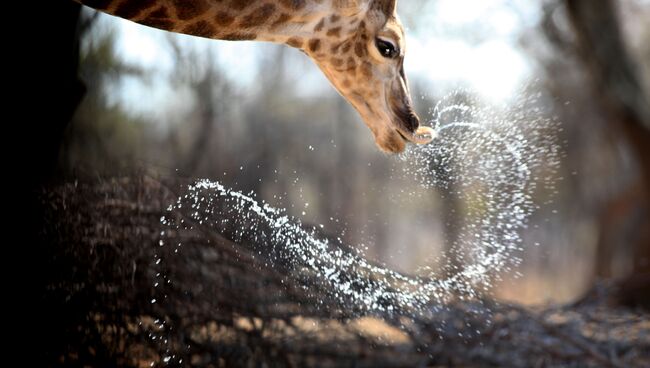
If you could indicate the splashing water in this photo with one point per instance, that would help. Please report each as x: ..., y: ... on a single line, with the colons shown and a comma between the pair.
x: 488, y: 157
x: 491, y: 160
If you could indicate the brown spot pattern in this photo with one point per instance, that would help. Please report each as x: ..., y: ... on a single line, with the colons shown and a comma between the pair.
x: 258, y: 16
x: 240, y: 4
x: 160, y: 23
x: 336, y: 62
x: 186, y: 10
x: 239, y: 36
x: 319, y: 27
x: 200, y: 28
x: 296, y: 42
x: 334, y: 32
x: 130, y: 9
x: 294, y: 4
x: 366, y: 69
x: 314, y: 45
x: 351, y: 63
x: 282, y: 19
x: 223, y: 19
x: 360, y: 49
x: 160, y: 13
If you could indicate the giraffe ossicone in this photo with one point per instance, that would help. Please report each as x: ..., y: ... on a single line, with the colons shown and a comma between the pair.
x: 358, y: 44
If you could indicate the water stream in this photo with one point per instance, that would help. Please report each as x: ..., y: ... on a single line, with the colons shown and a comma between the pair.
x: 492, y: 159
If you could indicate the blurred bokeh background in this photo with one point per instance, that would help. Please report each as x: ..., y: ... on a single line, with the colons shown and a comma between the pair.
x: 262, y: 118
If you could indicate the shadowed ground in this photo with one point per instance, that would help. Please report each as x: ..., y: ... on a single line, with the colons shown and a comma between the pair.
x: 224, y: 307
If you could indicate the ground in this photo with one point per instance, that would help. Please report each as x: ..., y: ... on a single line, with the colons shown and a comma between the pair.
x: 222, y: 304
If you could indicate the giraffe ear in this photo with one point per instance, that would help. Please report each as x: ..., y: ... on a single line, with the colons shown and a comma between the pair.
x: 388, y: 7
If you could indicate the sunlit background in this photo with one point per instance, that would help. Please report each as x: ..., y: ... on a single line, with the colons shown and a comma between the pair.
x: 262, y: 118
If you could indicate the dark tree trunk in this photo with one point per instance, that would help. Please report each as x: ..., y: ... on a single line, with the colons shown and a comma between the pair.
x: 205, y: 91
x: 602, y: 51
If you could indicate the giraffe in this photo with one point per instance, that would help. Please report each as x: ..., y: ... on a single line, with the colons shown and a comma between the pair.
x: 359, y: 45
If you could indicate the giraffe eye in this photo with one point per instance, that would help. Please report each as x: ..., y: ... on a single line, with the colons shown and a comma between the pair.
x: 387, y: 49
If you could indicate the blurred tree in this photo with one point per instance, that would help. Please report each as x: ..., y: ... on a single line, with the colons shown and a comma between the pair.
x: 102, y: 137
x: 617, y: 85
x: 196, y: 70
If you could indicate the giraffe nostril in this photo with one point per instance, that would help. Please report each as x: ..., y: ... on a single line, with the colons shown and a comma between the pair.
x: 406, y: 119
x: 413, y: 122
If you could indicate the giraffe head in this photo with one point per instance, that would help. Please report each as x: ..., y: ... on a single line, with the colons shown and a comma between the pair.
x: 361, y: 48
x: 358, y: 44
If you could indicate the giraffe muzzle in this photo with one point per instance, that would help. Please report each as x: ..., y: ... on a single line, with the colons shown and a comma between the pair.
x: 406, y: 121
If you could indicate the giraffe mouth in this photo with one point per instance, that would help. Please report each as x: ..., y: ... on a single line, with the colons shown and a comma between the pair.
x: 421, y: 135
x: 404, y: 120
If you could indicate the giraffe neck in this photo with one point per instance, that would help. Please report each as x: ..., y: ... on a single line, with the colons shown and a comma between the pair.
x: 279, y: 21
